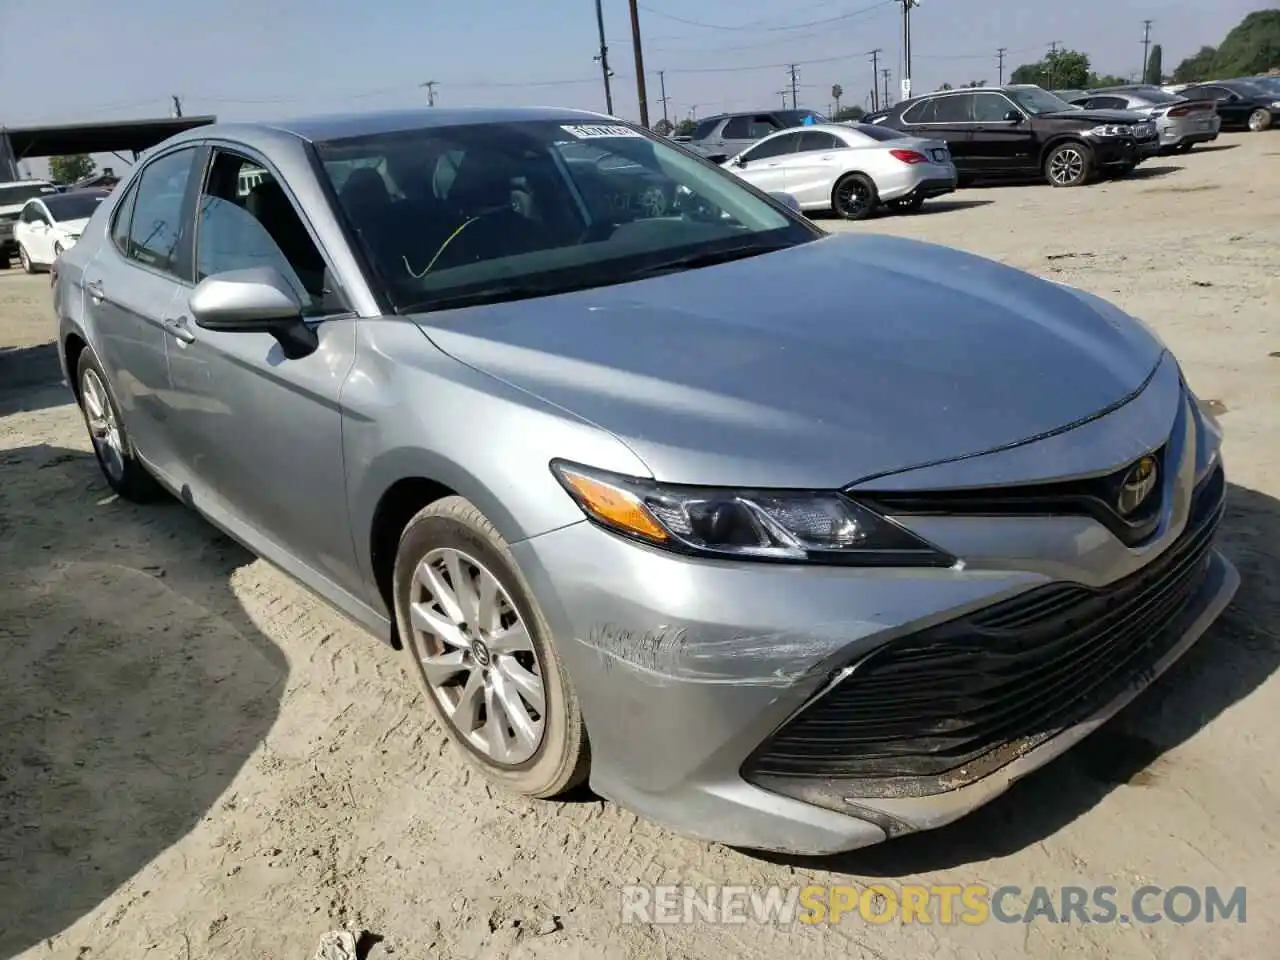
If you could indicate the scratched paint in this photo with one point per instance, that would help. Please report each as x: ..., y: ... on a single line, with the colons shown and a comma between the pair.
x: 765, y: 659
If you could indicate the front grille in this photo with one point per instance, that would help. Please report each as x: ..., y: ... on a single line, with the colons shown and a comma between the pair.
x: 949, y: 705
x: 1095, y: 497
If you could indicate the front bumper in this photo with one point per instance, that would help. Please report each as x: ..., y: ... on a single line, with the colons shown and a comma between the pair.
x: 1123, y: 151
x: 686, y: 668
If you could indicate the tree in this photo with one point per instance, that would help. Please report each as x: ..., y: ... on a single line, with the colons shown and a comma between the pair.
x: 683, y: 129
x: 1252, y: 47
x: 1197, y: 67
x: 1097, y: 80
x: 1063, y: 69
x: 73, y: 167
x: 945, y: 86
x: 972, y: 84
x: 663, y: 127
x: 853, y: 112
x: 837, y: 92
x: 1155, y: 66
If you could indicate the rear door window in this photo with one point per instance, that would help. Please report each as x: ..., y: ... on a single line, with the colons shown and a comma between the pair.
x: 957, y: 108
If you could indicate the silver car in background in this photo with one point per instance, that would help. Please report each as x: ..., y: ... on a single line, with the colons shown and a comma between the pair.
x: 793, y: 572
x: 1181, y: 123
x: 852, y: 169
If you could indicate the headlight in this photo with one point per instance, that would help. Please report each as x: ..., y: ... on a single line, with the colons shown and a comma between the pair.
x: 1275, y: 104
x: 1111, y: 130
x: 794, y: 526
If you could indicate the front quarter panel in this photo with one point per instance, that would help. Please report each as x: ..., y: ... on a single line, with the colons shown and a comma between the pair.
x: 412, y: 411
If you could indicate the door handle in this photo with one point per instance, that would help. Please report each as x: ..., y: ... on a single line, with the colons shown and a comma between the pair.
x: 95, y: 291
x: 179, y: 329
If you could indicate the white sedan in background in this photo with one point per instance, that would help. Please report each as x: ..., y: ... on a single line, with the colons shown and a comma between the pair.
x: 850, y: 168
x: 51, y: 224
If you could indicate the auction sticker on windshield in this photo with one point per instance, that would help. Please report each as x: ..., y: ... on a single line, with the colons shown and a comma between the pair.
x: 595, y: 131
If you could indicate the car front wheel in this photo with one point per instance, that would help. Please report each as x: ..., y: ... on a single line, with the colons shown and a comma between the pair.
x: 482, y: 650
x: 1259, y: 120
x: 111, y: 444
x: 25, y: 260
x: 1068, y: 165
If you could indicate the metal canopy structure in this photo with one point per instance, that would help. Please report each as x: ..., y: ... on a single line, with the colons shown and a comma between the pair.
x: 126, y: 136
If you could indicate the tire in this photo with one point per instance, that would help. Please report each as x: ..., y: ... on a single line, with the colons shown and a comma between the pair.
x: 4, y: 259
x: 907, y: 206
x: 452, y: 529
x: 25, y: 260
x: 854, y: 197
x: 1068, y: 164
x: 1259, y: 120
x: 120, y: 465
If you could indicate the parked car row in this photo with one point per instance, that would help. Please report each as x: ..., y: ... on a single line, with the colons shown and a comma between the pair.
x: 1181, y: 121
x: 798, y: 573
x: 13, y: 198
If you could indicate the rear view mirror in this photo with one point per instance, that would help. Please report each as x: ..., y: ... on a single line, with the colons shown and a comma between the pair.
x: 1013, y: 116
x: 255, y: 300
x: 739, y: 161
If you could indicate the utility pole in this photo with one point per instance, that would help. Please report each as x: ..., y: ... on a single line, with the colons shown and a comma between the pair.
x: 1053, y: 59
x: 795, y: 76
x: 177, y: 106
x: 664, y: 99
x: 875, y: 79
x: 906, y: 46
x: 783, y: 94
x: 1146, y: 47
x: 885, y: 104
x: 641, y: 93
x: 430, y: 87
x: 1000, y: 64
x: 603, y: 58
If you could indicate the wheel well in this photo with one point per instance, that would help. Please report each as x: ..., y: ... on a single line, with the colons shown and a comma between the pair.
x: 398, y: 506
x: 845, y: 176
x: 71, y: 350
x: 1053, y: 145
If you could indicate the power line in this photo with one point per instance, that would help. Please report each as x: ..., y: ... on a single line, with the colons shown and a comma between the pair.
x: 826, y: 32
x: 773, y: 29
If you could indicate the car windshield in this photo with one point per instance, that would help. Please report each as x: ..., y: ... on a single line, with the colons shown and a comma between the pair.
x: 1248, y: 89
x: 1036, y: 101
x: 476, y: 213
x: 73, y: 206
x: 14, y: 193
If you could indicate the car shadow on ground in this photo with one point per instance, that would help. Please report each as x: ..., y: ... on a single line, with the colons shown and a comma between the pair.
x: 1148, y: 173
x: 1208, y: 148
x: 1232, y: 659
x: 136, y: 687
x: 30, y: 378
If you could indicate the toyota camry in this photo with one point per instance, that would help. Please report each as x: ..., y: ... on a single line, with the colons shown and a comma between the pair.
x: 798, y: 573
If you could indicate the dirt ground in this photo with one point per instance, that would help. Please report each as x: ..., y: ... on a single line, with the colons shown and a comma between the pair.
x: 197, y: 759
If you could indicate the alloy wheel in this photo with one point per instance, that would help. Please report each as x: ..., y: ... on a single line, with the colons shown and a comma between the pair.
x: 24, y: 259
x: 853, y: 197
x: 1066, y: 166
x: 1258, y: 121
x: 104, y: 430
x: 477, y: 656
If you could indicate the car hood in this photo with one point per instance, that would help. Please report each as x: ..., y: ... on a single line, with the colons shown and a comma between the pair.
x: 815, y: 366
x: 1096, y: 116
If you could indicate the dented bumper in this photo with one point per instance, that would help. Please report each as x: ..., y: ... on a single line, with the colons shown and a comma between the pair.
x: 685, y: 668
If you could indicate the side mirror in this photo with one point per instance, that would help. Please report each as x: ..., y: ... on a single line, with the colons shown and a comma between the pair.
x: 1014, y: 116
x: 255, y: 300
x: 787, y: 200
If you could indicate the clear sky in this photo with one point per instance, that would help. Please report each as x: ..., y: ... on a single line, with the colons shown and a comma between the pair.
x: 78, y: 60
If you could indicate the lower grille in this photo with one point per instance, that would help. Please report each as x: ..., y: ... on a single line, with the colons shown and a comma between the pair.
x: 951, y: 704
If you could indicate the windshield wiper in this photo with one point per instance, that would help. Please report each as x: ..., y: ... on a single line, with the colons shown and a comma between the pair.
x: 494, y: 293
x: 707, y: 258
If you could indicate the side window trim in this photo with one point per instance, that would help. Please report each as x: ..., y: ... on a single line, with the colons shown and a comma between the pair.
x: 245, y: 152
x: 124, y: 209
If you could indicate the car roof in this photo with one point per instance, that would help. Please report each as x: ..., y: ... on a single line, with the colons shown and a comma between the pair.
x: 371, y: 123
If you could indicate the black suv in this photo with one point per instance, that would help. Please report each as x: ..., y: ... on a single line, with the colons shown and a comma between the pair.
x: 1022, y: 131
x: 1242, y: 104
x: 727, y: 134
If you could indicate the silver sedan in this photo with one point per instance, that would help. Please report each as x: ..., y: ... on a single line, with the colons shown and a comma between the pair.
x: 851, y: 169
x: 794, y: 572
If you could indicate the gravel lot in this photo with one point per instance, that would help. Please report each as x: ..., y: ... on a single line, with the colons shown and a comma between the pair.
x: 199, y: 760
